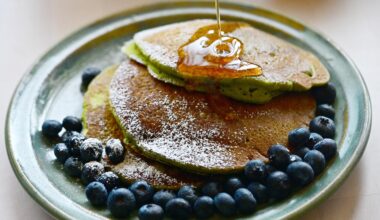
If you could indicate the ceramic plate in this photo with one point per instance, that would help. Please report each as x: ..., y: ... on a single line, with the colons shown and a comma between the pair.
x: 51, y: 90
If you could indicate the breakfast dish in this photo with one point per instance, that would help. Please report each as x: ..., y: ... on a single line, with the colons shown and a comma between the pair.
x: 195, y: 121
x: 143, y: 134
x: 162, y: 122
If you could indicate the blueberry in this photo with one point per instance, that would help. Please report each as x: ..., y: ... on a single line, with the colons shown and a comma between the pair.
x: 295, y: 158
x: 96, y: 194
x: 143, y: 192
x: 245, y: 202
x: 188, y: 193
x: 279, y: 156
x: 66, y: 135
x: 325, y: 110
x: 232, y: 184
x: 72, y: 123
x: 151, y: 212
x: 178, y: 208
x: 121, y: 202
x: 109, y: 179
x: 324, y: 94
x: 89, y: 74
x: 225, y: 204
x: 61, y: 152
x: 298, y: 137
x: 91, y: 171
x: 301, y: 151
x: 51, y: 128
x: 300, y: 173
x: 115, y: 151
x: 255, y: 170
x: 74, y: 141
x: 204, y: 207
x: 316, y: 160
x: 313, y: 139
x: 211, y: 189
x: 327, y: 147
x: 259, y: 191
x: 73, y: 167
x: 278, y: 185
x: 91, y: 150
x: 323, y: 126
x: 270, y: 169
x: 162, y: 197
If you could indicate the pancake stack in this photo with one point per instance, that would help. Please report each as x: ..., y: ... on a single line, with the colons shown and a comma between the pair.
x: 174, y: 135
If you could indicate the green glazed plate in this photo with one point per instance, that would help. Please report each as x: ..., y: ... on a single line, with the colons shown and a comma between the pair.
x: 51, y: 90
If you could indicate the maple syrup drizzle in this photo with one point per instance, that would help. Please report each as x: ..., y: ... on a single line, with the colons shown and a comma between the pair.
x: 213, y: 52
x: 218, y: 18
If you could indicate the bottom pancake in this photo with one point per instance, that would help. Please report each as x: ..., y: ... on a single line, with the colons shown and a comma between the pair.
x: 100, y: 123
x: 200, y: 132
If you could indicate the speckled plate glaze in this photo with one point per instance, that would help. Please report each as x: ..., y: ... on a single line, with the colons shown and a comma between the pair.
x: 51, y: 90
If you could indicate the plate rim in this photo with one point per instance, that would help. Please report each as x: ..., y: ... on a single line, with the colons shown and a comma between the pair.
x: 56, y: 212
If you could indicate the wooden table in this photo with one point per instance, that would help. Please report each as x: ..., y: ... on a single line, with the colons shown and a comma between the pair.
x: 29, y: 28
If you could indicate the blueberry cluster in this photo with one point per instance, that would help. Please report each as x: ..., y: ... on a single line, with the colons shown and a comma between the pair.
x: 81, y: 158
x: 260, y: 183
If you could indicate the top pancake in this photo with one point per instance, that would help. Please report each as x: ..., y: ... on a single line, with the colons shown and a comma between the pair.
x: 285, y: 67
x: 200, y: 132
x: 99, y: 123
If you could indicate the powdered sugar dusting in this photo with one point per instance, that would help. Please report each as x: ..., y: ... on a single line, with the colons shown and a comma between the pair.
x: 158, y: 175
x: 179, y: 137
x: 197, y: 131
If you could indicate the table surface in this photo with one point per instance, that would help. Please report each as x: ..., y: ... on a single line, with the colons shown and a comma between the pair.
x: 29, y: 28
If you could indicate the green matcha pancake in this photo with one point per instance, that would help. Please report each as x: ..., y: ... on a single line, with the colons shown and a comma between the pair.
x: 100, y: 123
x: 200, y: 132
x: 285, y: 67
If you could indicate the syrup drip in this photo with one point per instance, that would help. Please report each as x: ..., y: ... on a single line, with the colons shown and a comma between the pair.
x: 213, y: 52
x: 218, y: 18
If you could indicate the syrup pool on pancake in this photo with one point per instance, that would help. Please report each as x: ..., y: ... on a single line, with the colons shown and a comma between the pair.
x: 212, y: 51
